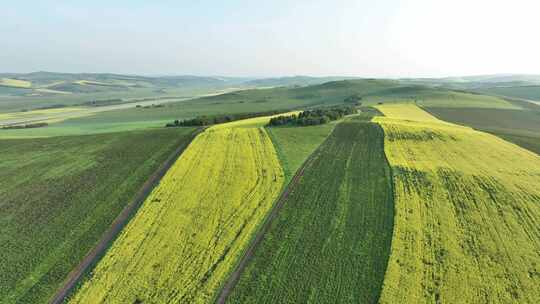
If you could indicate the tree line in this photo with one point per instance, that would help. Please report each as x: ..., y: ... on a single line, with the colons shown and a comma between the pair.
x: 313, y: 117
x: 207, y: 120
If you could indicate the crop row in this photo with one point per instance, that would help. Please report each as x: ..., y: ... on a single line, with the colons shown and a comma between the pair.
x: 331, y: 240
x: 191, y: 230
x: 467, y: 214
x: 58, y: 196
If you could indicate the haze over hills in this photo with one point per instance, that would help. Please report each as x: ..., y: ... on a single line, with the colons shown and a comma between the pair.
x: 46, y: 83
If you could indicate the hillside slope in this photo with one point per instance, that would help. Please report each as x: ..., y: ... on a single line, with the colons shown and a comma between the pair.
x: 191, y: 230
x: 59, y: 195
x: 467, y: 213
x: 331, y: 240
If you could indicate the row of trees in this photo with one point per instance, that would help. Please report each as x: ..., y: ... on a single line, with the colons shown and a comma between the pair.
x: 206, y: 120
x: 312, y: 117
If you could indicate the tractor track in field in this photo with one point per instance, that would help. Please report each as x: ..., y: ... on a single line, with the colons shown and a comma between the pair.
x: 118, y: 224
x: 248, y: 254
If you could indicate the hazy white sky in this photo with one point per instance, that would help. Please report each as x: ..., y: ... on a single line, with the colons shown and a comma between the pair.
x: 385, y: 38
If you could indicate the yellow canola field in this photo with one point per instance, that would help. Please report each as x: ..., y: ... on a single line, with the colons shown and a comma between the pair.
x: 467, y: 214
x: 16, y: 83
x: 194, y: 226
x: 255, y: 122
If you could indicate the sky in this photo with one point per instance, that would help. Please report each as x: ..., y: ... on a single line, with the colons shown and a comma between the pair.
x: 383, y: 38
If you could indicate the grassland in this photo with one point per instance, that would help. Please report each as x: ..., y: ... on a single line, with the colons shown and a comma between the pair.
x: 371, y: 91
x: 525, y: 92
x: 521, y: 127
x: 190, y: 232
x: 438, y: 97
x: 60, y: 194
x: 330, y: 242
x: 295, y: 144
x: 467, y: 214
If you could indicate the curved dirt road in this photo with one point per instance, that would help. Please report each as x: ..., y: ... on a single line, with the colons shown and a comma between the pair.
x: 118, y: 224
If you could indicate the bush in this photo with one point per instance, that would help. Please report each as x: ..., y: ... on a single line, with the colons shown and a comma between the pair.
x: 205, y: 120
x: 313, y: 117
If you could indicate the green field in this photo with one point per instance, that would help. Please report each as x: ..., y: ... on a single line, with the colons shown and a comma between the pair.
x: 58, y: 197
x: 437, y: 97
x: 521, y: 127
x: 440, y: 205
x: 523, y: 92
x: 295, y: 144
x: 330, y: 242
x: 191, y: 230
x: 44, y: 89
x: 467, y: 213
x: 371, y: 92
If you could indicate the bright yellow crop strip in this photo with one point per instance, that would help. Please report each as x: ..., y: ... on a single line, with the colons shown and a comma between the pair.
x: 191, y: 230
x: 467, y: 214
x: 251, y: 122
x: 16, y: 83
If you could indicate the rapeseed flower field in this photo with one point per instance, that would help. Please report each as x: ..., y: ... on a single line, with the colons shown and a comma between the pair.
x: 191, y: 230
x: 467, y: 212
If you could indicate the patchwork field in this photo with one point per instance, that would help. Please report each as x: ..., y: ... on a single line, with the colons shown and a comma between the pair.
x: 16, y: 83
x: 531, y: 92
x: 331, y: 240
x: 191, y: 230
x: 432, y: 97
x: 58, y: 197
x: 295, y: 144
x: 521, y: 127
x: 467, y: 214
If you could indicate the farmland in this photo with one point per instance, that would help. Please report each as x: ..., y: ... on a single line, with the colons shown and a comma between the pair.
x: 467, y: 213
x: 60, y: 194
x: 415, y: 206
x: 295, y: 144
x: 16, y: 83
x: 331, y: 241
x: 433, y: 97
x: 193, y: 227
x: 530, y: 92
x: 128, y: 117
x: 521, y: 127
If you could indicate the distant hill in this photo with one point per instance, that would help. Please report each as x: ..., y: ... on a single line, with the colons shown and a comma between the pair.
x: 478, y: 82
x: 293, y: 81
x: 365, y: 91
x: 47, y: 83
x: 497, y: 78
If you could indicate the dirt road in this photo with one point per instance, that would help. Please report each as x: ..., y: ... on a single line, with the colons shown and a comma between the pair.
x: 118, y: 224
x: 235, y: 275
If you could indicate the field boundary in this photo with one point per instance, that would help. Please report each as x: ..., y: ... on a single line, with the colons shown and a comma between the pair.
x: 119, y: 223
x: 234, y: 276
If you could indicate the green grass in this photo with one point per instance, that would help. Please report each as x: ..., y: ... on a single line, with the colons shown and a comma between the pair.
x: 524, y: 92
x: 521, y: 127
x: 330, y: 242
x: 259, y: 100
x: 295, y: 144
x: 16, y: 99
x: 254, y: 100
x: 76, y: 128
x: 437, y: 97
x: 60, y: 194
